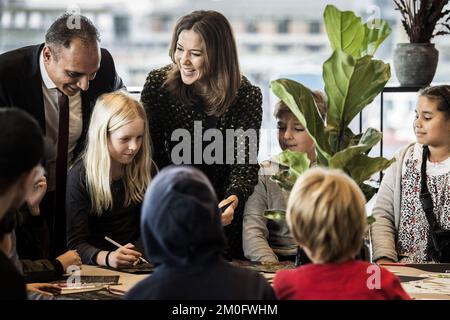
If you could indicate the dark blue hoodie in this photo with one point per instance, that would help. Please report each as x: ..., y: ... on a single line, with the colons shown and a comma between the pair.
x: 183, y: 236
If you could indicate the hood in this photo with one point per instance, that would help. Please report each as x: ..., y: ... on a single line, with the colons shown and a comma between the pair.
x: 180, y: 221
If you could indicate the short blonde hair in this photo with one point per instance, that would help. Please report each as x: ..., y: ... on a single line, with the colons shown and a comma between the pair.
x: 320, y: 98
x: 326, y: 214
x: 112, y: 111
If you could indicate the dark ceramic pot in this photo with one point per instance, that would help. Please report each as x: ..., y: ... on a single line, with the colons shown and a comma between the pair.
x: 415, y: 63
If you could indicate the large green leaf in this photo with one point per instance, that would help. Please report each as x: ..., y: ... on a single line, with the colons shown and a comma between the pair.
x: 297, y: 162
x: 363, y: 167
x: 376, y: 31
x: 351, y: 84
x: 301, y: 102
x: 347, y: 140
x: 345, y: 30
x: 342, y: 158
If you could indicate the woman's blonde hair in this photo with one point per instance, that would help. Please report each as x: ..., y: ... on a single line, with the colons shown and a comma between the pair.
x: 112, y: 111
x: 223, y: 75
x: 326, y: 214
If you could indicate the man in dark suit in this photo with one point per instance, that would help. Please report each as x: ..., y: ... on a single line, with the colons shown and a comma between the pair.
x: 58, y: 82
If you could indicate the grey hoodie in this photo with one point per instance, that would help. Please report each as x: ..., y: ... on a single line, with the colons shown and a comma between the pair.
x: 183, y: 236
x: 264, y: 239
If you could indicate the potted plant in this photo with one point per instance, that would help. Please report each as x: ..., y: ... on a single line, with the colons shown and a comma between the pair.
x: 415, y: 63
x: 353, y: 78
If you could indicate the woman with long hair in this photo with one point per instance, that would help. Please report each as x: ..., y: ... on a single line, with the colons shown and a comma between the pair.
x: 205, y: 113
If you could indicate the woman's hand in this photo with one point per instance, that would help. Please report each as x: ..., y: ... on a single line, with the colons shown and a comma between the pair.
x: 228, y: 214
x: 35, y: 198
x: 46, y: 289
x: 124, y: 256
x: 69, y: 258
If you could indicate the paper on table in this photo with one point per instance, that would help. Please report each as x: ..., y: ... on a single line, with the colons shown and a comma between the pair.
x: 81, y: 288
x: 429, y: 286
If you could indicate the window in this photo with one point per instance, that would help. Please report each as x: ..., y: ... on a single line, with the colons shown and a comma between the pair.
x: 283, y: 26
x: 314, y: 27
x: 251, y: 27
x: 122, y: 26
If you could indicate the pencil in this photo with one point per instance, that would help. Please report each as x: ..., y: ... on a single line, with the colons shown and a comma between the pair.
x: 118, y: 245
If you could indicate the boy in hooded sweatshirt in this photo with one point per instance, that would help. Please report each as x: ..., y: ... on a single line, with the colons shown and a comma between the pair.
x: 183, y: 236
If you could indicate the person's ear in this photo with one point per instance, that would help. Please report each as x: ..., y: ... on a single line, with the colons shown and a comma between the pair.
x: 47, y: 53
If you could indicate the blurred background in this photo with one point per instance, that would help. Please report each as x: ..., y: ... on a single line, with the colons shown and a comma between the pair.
x: 276, y: 38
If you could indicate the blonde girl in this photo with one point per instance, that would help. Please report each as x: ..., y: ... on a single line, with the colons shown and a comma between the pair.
x: 106, y: 186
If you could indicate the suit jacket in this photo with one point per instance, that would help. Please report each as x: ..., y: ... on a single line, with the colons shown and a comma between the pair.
x: 21, y: 85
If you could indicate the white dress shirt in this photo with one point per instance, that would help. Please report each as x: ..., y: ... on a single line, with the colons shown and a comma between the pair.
x: 51, y: 110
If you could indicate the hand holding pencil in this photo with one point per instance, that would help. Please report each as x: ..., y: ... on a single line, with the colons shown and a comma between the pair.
x: 124, y: 255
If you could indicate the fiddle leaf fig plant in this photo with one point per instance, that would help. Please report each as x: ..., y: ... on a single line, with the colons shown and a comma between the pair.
x: 347, y: 32
x: 353, y: 78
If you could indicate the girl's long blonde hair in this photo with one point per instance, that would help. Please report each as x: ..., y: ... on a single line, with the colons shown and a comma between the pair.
x: 112, y: 111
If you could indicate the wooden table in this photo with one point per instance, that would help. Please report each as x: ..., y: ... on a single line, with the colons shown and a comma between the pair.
x: 416, y: 279
x: 433, y: 285
x: 126, y: 282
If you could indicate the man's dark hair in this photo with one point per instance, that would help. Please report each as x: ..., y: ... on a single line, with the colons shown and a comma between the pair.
x: 8, y: 223
x: 71, y: 26
x: 21, y: 145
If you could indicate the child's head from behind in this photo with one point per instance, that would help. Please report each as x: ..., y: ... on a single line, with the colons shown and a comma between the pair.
x: 22, y: 149
x: 118, y: 137
x: 180, y: 222
x: 326, y: 215
x: 432, y: 122
x: 292, y: 134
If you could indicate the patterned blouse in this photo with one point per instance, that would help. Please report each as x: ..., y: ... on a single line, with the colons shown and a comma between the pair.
x: 414, y: 242
x: 167, y: 116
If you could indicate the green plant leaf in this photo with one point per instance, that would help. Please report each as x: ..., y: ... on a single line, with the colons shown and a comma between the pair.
x: 352, y: 80
x: 368, y: 191
x: 376, y: 31
x: 276, y: 215
x: 284, y: 179
x: 347, y: 140
x: 363, y: 167
x: 351, y: 84
x: 370, y: 220
x: 300, y: 101
x: 297, y: 162
x: 345, y: 30
x: 342, y: 158
x: 371, y: 137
